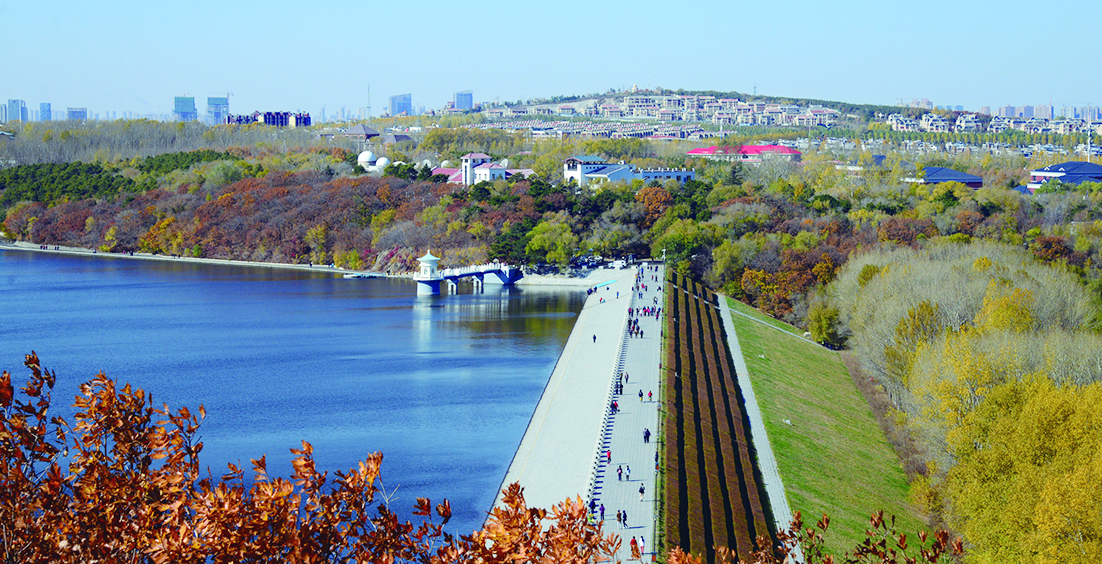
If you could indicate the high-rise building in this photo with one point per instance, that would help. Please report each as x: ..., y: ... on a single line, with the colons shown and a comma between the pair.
x: 1023, y: 112
x: 464, y: 100
x: 44, y: 112
x: 184, y: 109
x: 401, y: 104
x: 77, y: 114
x: 218, y: 109
x: 17, y: 110
x: 1043, y: 112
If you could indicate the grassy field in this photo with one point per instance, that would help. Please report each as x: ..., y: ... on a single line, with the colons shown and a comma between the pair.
x: 833, y: 458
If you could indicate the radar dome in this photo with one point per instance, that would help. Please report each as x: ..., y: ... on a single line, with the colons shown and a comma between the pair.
x: 382, y: 162
x: 366, y: 159
x: 446, y: 164
x: 504, y: 163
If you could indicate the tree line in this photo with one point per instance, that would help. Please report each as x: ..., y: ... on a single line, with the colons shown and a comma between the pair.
x: 991, y: 361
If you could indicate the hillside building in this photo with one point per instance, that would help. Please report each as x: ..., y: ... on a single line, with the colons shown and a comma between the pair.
x: 1071, y: 172
x: 939, y: 175
x: 586, y: 169
x: 479, y: 167
x: 747, y: 154
x: 464, y: 100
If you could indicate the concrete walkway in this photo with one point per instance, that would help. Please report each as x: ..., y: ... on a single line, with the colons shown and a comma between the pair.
x: 767, y: 463
x: 556, y: 457
x: 565, y: 450
x: 623, y: 434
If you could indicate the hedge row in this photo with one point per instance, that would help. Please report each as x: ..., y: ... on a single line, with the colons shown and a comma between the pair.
x: 712, y: 482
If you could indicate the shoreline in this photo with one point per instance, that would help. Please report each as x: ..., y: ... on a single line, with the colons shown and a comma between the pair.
x: 592, y: 277
x: 80, y: 251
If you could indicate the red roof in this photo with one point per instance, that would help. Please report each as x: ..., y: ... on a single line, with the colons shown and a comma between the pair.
x: 744, y: 150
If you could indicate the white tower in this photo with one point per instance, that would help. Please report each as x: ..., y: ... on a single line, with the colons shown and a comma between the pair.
x: 428, y: 278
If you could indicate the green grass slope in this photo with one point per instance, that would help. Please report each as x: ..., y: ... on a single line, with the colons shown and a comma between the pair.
x: 833, y: 458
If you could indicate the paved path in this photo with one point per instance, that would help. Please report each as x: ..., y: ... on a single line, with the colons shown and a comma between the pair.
x: 556, y: 457
x: 767, y: 463
x: 624, y: 432
x: 564, y: 451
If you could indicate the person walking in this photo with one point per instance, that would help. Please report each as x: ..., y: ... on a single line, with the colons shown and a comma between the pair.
x: 642, y: 545
x: 640, y: 396
x: 627, y: 473
x: 608, y: 456
x: 624, y: 524
x: 619, y: 521
x: 650, y: 395
x: 619, y: 473
x: 634, y: 548
x: 602, y: 512
x: 642, y: 489
x: 645, y: 436
x: 594, y: 339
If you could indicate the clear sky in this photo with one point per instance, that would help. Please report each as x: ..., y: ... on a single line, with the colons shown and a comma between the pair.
x: 278, y: 55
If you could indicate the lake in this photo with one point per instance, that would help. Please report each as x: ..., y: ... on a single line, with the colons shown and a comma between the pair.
x: 443, y: 386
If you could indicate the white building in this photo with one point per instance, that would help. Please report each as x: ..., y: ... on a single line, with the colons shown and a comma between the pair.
x: 587, y: 169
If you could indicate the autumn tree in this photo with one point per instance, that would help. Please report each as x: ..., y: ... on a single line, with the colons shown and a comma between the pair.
x: 123, y: 483
x: 655, y: 200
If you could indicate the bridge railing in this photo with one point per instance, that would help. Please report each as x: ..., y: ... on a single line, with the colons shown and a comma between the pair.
x: 475, y: 269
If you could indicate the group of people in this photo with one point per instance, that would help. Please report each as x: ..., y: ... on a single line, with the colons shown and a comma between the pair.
x: 593, y: 290
x: 623, y: 471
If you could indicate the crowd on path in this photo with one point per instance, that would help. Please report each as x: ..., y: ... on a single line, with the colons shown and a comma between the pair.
x: 628, y: 425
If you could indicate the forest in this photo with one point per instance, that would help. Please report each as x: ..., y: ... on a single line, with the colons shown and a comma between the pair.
x: 976, y: 311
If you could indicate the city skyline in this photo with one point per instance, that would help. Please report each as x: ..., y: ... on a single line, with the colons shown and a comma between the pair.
x: 124, y: 59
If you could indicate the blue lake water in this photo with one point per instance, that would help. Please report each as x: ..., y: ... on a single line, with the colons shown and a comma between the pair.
x: 443, y: 386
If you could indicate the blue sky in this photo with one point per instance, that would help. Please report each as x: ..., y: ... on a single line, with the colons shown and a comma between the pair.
x: 278, y: 55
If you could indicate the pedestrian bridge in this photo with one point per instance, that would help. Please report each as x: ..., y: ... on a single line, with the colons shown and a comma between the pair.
x: 429, y: 278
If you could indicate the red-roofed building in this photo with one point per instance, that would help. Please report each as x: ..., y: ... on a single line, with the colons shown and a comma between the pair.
x: 750, y: 154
